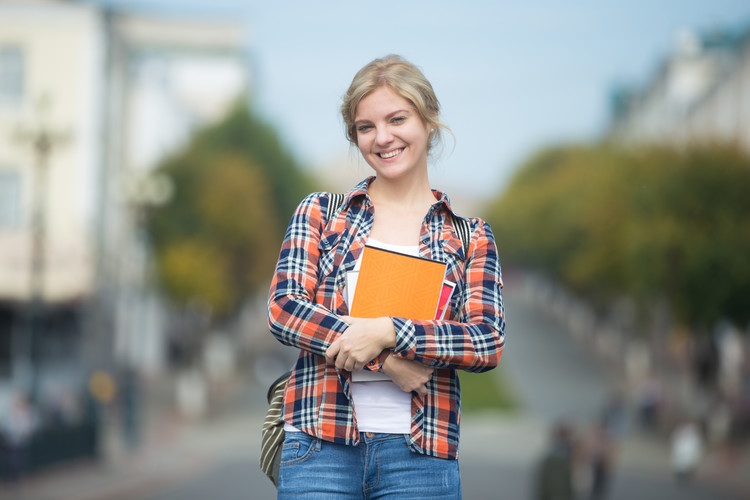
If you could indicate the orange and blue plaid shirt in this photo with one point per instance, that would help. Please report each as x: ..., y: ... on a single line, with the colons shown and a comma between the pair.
x: 306, y: 301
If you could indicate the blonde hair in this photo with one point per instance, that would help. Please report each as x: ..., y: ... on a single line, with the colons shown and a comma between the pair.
x: 406, y: 80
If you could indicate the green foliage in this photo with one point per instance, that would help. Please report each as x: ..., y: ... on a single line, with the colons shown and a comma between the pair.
x: 645, y: 222
x: 487, y: 391
x: 244, y: 133
x: 217, y: 239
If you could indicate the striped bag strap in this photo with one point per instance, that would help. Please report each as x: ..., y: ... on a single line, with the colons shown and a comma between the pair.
x: 335, y: 204
x: 463, y: 228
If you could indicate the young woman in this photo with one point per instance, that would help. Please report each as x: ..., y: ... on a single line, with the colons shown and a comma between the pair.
x: 352, y: 432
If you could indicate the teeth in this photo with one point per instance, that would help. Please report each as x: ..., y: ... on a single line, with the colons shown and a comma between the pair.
x: 391, y: 154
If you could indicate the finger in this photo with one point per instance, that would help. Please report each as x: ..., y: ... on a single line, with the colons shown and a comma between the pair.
x: 341, y: 362
x: 340, y: 359
x: 333, y: 351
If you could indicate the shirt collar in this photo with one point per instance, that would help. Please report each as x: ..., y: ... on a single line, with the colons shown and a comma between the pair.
x: 442, y: 199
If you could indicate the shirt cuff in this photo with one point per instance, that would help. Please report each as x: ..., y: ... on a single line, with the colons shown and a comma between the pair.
x: 376, y: 365
x: 406, y: 335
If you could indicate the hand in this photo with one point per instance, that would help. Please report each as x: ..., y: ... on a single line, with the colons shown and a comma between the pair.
x: 407, y: 374
x: 362, y: 342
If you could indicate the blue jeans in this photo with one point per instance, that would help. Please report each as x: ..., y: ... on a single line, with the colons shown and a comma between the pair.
x: 381, y: 466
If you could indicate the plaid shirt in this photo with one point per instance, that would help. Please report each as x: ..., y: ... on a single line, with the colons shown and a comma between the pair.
x: 306, y: 300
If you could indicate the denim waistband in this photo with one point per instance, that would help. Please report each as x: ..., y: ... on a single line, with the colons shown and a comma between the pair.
x: 369, y: 437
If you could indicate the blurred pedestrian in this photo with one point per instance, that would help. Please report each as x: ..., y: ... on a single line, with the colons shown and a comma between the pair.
x: 600, y: 454
x: 687, y: 450
x: 615, y: 416
x: 404, y: 439
x: 130, y: 396
x: 554, y: 478
x: 650, y: 400
x: 18, y: 426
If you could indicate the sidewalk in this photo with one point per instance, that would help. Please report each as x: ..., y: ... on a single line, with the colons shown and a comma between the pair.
x: 168, y: 455
x: 172, y: 450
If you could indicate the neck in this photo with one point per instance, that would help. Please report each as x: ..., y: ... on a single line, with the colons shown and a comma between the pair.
x: 408, y: 193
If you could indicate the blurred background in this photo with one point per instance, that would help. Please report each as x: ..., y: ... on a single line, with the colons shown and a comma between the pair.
x: 152, y: 152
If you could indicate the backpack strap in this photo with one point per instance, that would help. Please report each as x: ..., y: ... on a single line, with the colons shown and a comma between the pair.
x: 335, y: 203
x: 463, y: 229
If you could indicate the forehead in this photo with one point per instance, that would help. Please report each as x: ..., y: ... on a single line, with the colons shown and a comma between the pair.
x: 382, y: 101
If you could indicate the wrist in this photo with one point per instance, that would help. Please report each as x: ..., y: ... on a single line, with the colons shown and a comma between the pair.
x: 384, y: 361
x: 389, y: 333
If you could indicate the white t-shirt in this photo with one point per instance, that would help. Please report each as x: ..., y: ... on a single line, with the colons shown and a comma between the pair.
x: 381, y: 406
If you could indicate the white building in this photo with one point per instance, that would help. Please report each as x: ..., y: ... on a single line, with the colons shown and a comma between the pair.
x: 49, y: 80
x: 50, y: 83
x: 115, y: 92
x: 700, y: 93
x: 724, y: 112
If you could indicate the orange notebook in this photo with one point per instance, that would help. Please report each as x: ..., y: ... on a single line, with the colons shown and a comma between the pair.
x: 396, y: 284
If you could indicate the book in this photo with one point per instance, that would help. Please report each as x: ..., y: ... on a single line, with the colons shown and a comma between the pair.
x: 445, y: 296
x: 396, y: 284
x: 445, y: 293
x: 391, y: 283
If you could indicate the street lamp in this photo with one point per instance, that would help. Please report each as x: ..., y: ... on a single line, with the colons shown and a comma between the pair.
x: 43, y: 142
x: 143, y: 191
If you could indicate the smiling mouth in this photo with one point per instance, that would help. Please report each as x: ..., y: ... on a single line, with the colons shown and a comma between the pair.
x: 390, y: 154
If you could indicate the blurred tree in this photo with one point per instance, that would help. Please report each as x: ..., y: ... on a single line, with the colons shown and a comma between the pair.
x: 690, y: 230
x: 246, y: 134
x: 643, y: 222
x: 216, y: 240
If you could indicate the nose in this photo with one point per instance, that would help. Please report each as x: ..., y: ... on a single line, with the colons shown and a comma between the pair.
x: 383, y: 135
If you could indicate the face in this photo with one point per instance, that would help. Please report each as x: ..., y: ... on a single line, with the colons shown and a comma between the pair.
x: 391, y: 135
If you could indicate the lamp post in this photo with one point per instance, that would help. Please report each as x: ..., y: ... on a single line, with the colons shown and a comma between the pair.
x: 43, y: 142
x: 143, y: 191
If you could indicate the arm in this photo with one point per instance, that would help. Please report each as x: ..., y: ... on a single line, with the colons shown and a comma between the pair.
x: 293, y: 316
x: 408, y: 375
x: 476, y: 341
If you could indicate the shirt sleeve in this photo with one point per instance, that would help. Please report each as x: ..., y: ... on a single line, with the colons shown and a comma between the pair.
x: 475, y: 342
x: 294, y: 317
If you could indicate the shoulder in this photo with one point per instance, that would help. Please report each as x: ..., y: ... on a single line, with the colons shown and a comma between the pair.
x: 321, y: 203
x: 313, y: 199
x: 313, y: 203
x: 475, y: 226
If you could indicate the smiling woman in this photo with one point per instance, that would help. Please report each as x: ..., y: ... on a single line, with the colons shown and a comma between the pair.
x: 391, y: 135
x: 405, y: 81
x: 365, y: 388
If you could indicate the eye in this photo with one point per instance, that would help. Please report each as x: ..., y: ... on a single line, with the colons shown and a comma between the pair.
x: 398, y: 119
x: 363, y: 128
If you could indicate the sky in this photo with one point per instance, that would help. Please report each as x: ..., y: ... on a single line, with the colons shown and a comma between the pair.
x: 511, y: 77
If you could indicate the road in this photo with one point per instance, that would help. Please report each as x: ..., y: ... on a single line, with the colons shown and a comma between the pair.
x: 554, y: 376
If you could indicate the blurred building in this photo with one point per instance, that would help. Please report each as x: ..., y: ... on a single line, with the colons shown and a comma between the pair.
x: 90, y: 100
x: 701, y: 92
x: 50, y: 155
x: 169, y: 76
